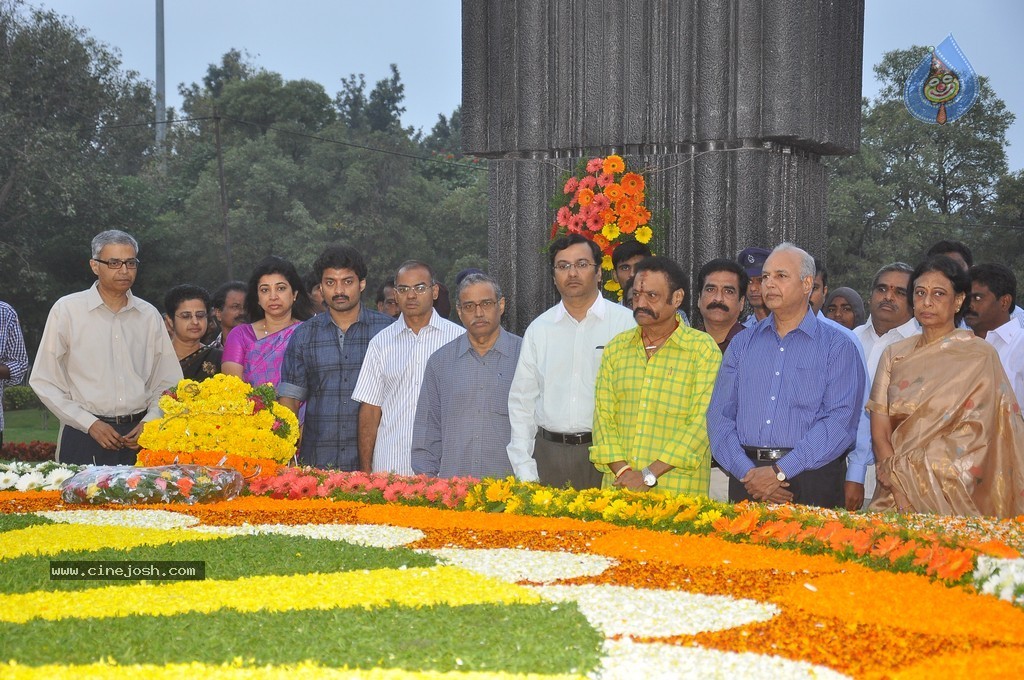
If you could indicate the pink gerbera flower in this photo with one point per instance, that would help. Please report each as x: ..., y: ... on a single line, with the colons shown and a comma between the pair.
x: 563, y: 216
x: 588, y: 182
x: 595, y: 164
x: 576, y: 224
x: 570, y: 185
x: 604, y: 179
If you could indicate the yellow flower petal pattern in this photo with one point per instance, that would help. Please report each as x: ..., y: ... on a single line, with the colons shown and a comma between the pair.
x: 50, y: 539
x: 418, y: 587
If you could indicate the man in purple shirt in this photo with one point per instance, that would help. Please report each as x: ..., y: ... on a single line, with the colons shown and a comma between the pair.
x: 787, y: 400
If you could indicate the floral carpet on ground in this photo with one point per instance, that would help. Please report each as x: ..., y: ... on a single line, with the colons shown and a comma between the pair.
x: 321, y: 574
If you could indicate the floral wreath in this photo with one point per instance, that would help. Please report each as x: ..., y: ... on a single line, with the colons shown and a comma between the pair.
x: 606, y: 204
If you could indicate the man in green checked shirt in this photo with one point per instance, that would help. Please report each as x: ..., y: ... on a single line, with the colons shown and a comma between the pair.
x: 653, y: 390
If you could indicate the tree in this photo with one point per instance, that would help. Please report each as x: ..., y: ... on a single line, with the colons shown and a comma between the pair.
x: 71, y: 147
x: 912, y: 183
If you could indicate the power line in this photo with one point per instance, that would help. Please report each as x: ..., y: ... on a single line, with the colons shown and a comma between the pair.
x: 963, y: 225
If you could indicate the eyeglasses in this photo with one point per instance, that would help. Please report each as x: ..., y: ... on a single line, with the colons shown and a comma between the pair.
x: 131, y: 262
x: 418, y: 289
x: 470, y: 307
x: 187, y: 316
x: 581, y: 265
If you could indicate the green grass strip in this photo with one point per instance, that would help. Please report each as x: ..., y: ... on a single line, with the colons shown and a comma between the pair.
x: 511, y: 638
x: 226, y: 559
x: 13, y: 522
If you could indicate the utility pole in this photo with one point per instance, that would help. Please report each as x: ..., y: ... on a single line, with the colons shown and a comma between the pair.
x: 223, y: 195
x: 161, y: 99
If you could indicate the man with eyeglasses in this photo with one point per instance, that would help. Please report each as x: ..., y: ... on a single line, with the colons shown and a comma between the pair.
x: 104, y: 360
x: 392, y: 373
x: 551, y: 402
x: 462, y: 427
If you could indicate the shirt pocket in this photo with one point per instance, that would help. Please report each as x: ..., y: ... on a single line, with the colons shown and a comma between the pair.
x: 808, y: 389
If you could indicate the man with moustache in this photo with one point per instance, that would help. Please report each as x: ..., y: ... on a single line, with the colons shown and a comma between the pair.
x: 392, y: 373
x: 387, y: 303
x: 752, y: 261
x: 551, y: 401
x: 228, y: 304
x: 323, y: 359
x: 462, y: 427
x: 104, y: 360
x: 889, y: 320
x: 993, y: 298
x: 788, y: 397
x: 653, y: 391
x: 721, y: 287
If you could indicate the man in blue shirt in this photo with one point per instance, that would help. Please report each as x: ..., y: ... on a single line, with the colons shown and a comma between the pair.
x: 323, y: 359
x: 787, y: 400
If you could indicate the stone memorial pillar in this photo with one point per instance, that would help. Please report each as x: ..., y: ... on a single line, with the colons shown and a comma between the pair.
x: 727, y: 106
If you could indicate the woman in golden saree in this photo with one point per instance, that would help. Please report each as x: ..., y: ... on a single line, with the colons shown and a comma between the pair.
x: 945, y: 426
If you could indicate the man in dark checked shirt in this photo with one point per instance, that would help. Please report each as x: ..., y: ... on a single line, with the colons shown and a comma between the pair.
x: 323, y: 359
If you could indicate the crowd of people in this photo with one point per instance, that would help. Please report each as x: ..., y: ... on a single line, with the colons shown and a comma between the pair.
x: 779, y: 390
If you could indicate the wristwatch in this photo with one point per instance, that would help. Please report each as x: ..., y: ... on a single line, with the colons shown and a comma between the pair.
x: 779, y: 474
x: 650, y: 479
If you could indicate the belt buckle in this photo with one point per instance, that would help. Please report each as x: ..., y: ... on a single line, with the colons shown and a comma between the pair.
x: 575, y: 439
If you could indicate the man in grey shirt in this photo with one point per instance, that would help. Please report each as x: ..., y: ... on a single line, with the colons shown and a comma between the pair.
x: 462, y: 427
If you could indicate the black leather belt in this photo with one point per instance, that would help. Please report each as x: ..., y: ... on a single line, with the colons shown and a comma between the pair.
x: 763, y: 453
x: 573, y: 438
x: 123, y: 420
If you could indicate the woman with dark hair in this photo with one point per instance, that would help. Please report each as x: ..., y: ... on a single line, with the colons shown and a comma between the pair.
x: 276, y: 301
x: 186, y: 313
x: 945, y: 425
x: 845, y: 306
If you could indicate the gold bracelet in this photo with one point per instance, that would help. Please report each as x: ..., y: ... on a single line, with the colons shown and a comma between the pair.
x: 621, y: 470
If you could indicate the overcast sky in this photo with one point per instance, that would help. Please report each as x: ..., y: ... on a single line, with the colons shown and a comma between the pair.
x: 325, y: 40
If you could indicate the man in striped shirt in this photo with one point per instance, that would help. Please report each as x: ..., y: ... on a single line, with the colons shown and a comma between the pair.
x: 389, y: 381
x: 653, y: 390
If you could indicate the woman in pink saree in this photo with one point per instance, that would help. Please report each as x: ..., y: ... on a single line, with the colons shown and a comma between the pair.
x: 945, y: 425
x: 276, y: 302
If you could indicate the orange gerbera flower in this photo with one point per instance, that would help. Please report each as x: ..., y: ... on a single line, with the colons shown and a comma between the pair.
x: 614, y: 191
x: 613, y: 164
x: 643, y: 215
x: 627, y: 224
x: 632, y: 183
x: 608, y: 215
x: 601, y: 242
x: 625, y: 206
x: 585, y: 196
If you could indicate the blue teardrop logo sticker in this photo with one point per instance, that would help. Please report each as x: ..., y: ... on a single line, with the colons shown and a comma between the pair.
x: 943, y: 87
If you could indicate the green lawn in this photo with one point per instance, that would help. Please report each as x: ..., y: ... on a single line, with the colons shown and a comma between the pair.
x: 30, y: 425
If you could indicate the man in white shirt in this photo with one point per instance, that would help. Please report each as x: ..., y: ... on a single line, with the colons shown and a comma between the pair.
x: 993, y: 297
x: 389, y: 381
x: 551, y: 403
x: 961, y: 254
x: 889, y: 315
x: 104, y: 360
x: 889, y: 320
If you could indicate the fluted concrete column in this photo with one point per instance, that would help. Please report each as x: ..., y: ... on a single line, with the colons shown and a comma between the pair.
x: 728, y: 105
